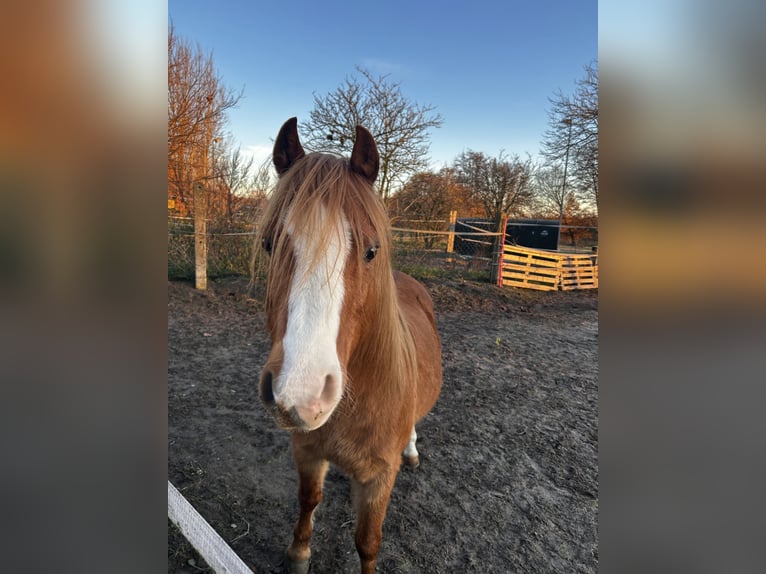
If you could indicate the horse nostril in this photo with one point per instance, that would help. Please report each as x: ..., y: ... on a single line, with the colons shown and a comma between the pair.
x: 267, y: 392
x: 330, y: 389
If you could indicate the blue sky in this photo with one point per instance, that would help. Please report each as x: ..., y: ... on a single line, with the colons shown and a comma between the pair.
x: 488, y: 67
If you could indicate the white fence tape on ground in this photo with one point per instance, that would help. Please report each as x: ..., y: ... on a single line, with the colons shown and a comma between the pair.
x: 218, y: 555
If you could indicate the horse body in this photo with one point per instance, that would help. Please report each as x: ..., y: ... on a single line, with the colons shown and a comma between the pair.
x: 415, y: 301
x: 356, y: 357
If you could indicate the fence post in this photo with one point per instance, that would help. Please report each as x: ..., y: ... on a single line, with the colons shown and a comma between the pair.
x: 451, y: 236
x: 497, y: 255
x: 200, y: 236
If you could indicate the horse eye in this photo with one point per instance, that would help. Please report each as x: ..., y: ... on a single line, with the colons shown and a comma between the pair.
x: 370, y: 255
x: 266, y: 244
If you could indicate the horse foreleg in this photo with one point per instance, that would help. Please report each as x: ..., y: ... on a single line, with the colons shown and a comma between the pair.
x: 370, y: 502
x: 310, y: 480
x: 411, y: 456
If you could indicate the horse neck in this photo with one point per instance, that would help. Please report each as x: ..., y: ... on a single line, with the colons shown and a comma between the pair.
x: 383, y: 361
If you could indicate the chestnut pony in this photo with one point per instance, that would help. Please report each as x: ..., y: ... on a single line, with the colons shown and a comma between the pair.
x: 355, y: 359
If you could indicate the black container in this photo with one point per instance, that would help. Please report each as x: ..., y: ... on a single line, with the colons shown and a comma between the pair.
x: 535, y: 233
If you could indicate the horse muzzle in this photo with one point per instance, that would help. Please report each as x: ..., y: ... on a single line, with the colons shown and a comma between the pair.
x: 304, y: 414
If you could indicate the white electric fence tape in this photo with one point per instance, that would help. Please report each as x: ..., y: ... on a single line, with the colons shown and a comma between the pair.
x: 218, y: 555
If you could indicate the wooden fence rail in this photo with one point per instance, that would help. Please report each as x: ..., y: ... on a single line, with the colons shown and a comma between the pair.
x: 510, y: 264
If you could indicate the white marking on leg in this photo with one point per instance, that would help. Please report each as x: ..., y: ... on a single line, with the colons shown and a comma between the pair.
x: 410, y: 451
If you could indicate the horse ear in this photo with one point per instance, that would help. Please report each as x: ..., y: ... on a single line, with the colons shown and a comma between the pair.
x: 287, y: 147
x: 364, y: 158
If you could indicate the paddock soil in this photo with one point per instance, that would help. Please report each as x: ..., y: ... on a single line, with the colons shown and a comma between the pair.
x: 508, y: 480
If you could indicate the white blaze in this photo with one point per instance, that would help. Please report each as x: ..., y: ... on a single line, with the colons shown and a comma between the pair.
x: 313, y: 322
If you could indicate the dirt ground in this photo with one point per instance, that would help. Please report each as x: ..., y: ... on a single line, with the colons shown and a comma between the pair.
x: 508, y: 480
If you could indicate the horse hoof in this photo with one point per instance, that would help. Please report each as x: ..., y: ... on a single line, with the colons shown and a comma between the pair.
x: 412, y: 461
x: 298, y: 567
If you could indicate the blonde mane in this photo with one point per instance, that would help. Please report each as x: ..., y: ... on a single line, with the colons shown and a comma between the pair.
x: 319, y: 188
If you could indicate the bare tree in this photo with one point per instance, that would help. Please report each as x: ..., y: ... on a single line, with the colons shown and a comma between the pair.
x: 399, y: 126
x: 256, y: 190
x: 550, y: 192
x: 429, y: 197
x: 572, y: 138
x: 502, y: 184
x: 264, y: 178
x: 197, y: 106
x: 233, y: 174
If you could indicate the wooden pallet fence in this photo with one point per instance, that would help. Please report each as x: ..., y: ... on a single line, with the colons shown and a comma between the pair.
x: 546, y: 270
x: 530, y: 268
x: 578, y: 272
